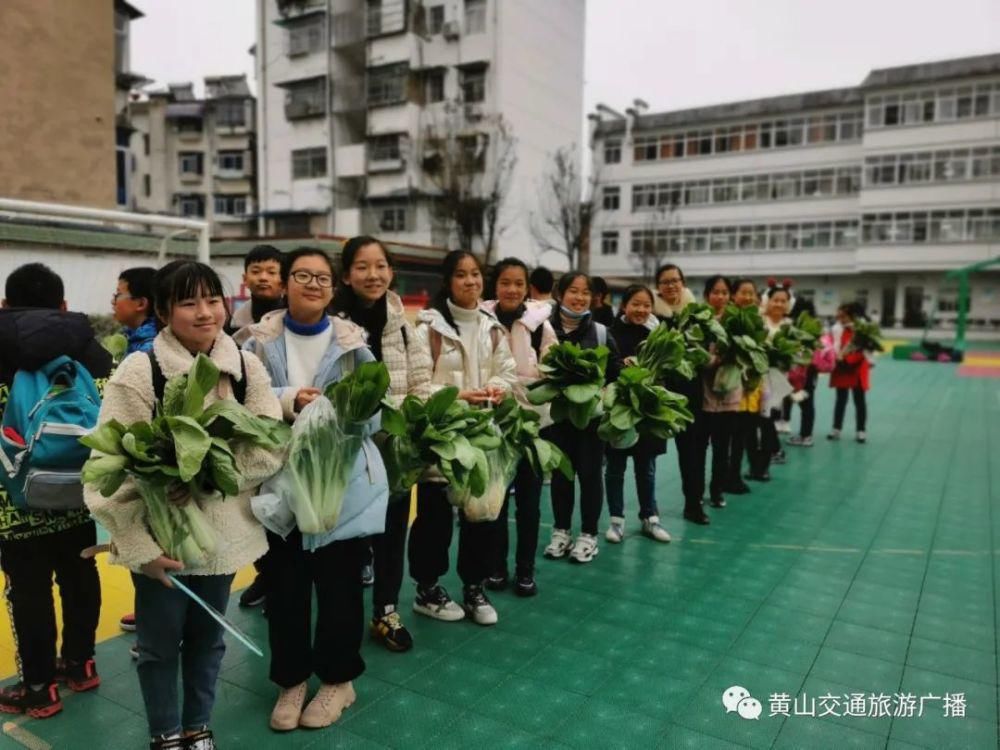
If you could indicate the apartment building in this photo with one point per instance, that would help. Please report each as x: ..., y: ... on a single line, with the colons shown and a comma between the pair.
x: 195, y: 156
x: 365, y: 105
x: 867, y: 193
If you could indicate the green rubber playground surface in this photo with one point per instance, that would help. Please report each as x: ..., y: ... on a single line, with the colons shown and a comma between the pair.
x: 861, y: 583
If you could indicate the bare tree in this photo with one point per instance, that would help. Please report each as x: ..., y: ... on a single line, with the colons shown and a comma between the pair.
x: 469, y: 165
x: 567, y: 206
x: 649, y: 248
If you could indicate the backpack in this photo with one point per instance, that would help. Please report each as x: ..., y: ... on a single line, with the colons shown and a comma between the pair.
x: 160, y: 380
x: 47, y: 412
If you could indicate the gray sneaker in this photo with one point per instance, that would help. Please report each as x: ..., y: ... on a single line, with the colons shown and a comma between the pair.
x: 802, y: 442
x: 651, y: 528
x: 616, y: 531
x: 435, y: 602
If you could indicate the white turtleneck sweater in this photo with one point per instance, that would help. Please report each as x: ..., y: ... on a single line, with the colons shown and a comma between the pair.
x: 468, y: 330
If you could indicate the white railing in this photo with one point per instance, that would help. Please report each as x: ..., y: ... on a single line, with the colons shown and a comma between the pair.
x: 39, y: 208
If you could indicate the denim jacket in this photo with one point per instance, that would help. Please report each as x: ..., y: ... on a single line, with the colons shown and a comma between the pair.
x: 367, y: 495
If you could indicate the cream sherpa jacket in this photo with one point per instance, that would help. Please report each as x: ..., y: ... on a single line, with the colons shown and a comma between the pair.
x: 662, y: 309
x: 129, y: 398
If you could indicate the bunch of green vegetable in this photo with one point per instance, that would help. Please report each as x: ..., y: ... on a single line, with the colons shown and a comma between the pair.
x: 520, y: 428
x: 326, y: 441
x: 572, y: 380
x: 635, y: 407
x: 698, y: 325
x: 443, y: 433
x: 793, y: 344
x: 743, y: 360
x: 184, y: 447
x: 116, y: 344
x: 867, y: 337
x: 664, y: 352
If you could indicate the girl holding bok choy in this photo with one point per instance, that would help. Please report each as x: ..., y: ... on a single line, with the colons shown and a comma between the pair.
x: 632, y: 326
x: 365, y: 298
x: 572, y: 322
x: 721, y: 409
x: 304, y: 351
x: 530, y: 336
x: 469, y: 351
x: 189, y: 302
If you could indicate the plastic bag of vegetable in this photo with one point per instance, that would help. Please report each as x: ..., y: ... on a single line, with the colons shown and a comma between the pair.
x: 485, y: 506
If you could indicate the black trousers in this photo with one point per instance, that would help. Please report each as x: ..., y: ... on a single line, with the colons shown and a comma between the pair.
x: 692, y: 449
x: 430, y: 540
x: 762, y: 442
x: 586, y: 452
x: 389, y: 550
x: 860, y: 408
x: 527, y: 497
x: 331, y: 651
x: 727, y: 430
x: 807, y: 407
x: 29, y: 565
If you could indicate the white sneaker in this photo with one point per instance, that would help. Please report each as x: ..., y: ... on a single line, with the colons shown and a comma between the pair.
x: 478, y: 607
x: 584, y: 549
x: 560, y: 544
x: 799, y: 396
x: 783, y: 427
x: 834, y: 435
x: 862, y: 437
x: 616, y: 531
x: 651, y: 528
x: 436, y: 603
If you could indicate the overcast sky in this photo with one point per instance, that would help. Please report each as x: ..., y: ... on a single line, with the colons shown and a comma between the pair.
x: 672, y: 53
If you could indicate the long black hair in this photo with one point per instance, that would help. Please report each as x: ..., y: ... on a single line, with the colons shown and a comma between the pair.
x: 630, y: 292
x: 345, y: 299
x: 567, y: 279
x: 180, y: 280
x: 439, y: 301
x: 711, y: 281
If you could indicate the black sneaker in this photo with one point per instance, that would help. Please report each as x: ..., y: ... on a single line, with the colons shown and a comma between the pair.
x: 168, y: 743
x: 718, y: 502
x: 389, y: 631
x: 765, y: 477
x: 38, y: 704
x: 697, y: 515
x: 78, y: 676
x: 525, y: 586
x: 254, y: 594
x: 498, y: 582
x: 737, y: 488
x: 202, y: 740
x: 435, y: 602
x: 478, y: 606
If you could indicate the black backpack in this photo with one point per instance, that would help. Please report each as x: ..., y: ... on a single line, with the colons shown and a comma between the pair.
x: 160, y: 380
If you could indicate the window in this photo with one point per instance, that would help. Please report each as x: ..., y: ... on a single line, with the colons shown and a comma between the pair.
x: 475, y: 16
x: 435, y: 19
x: 308, y: 162
x: 643, y: 197
x: 191, y: 205
x: 644, y: 148
x: 230, y: 113
x: 391, y: 218
x: 191, y: 162
x: 610, y: 198
x: 306, y: 37
x: 385, y: 17
x: 147, y: 187
x: 145, y: 144
x: 188, y: 125
x: 231, y: 205
x: 609, y: 243
x: 305, y: 98
x: 434, y: 86
x: 231, y: 161
x: 961, y: 225
x: 294, y: 225
x: 387, y: 84
x: 612, y: 151
x: 473, y: 84
x: 384, y: 147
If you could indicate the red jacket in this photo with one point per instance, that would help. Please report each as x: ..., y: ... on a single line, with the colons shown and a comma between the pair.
x: 852, y: 369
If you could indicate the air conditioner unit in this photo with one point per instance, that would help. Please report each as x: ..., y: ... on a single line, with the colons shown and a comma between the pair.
x: 451, y: 30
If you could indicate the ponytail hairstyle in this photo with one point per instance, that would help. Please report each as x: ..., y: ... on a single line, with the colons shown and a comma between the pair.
x: 630, y: 292
x: 439, y: 301
x: 344, y: 298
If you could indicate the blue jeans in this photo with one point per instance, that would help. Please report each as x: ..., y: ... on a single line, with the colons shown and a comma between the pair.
x: 172, y: 630
x: 645, y: 482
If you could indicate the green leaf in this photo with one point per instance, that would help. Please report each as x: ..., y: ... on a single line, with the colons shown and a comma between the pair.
x: 437, y: 405
x: 106, y: 473
x: 137, y: 449
x: 225, y: 475
x: 192, y: 443
x: 201, y: 379
x: 107, y: 438
x: 542, y: 392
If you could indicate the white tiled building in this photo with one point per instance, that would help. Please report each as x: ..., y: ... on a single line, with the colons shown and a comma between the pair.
x: 352, y: 91
x: 868, y: 193
x: 195, y: 157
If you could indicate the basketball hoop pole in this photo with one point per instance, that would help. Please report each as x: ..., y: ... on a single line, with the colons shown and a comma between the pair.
x: 119, y: 217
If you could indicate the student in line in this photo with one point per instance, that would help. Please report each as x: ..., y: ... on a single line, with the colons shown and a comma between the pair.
x: 803, y: 379
x: 748, y: 421
x: 852, y: 374
x: 365, y: 298
x: 530, y: 337
x: 633, y: 324
x: 572, y: 321
x: 468, y: 350
x: 304, y: 351
x: 174, y: 633
x: 132, y: 306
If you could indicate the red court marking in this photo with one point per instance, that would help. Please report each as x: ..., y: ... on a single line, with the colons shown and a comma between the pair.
x: 968, y: 371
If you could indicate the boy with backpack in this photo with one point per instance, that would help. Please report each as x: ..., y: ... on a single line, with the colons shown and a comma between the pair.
x: 35, y: 332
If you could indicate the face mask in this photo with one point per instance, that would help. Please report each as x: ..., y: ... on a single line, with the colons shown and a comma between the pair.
x: 573, y: 315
